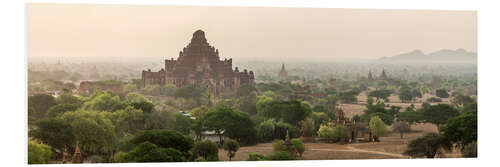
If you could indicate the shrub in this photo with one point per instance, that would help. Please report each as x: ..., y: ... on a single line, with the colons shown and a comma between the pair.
x: 434, y: 99
x: 299, y: 146
x: 38, y: 153
x: 255, y: 157
x: 279, y: 145
x: 281, y: 155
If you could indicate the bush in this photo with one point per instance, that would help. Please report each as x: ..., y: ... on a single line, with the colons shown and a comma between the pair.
x: 434, y: 99
x: 38, y: 153
x: 299, y: 146
x: 279, y: 145
x: 255, y: 157
x: 281, y: 155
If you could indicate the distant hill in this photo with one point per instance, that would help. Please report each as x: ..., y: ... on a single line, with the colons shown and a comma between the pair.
x: 442, y: 56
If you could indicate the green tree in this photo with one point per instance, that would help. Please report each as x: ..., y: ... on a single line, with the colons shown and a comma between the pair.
x: 94, y: 130
x: 326, y: 131
x: 149, y: 152
x: 128, y: 120
x: 267, y: 129
x: 206, y: 149
x: 231, y: 147
x: 40, y: 104
x: 166, y: 139
x: 199, y: 112
x: 442, y: 93
x: 340, y: 133
x: 194, y: 92
x: 134, y: 97
x: 59, y: 109
x: 469, y: 150
x: 55, y: 132
x: 298, y: 145
x: 405, y: 94
x: 462, y: 129
x: 38, y: 153
x: 67, y: 98
x: 231, y: 123
x: 104, y: 101
x: 428, y: 146
x: 439, y: 114
x: 377, y: 127
x: 380, y: 94
x: 461, y: 100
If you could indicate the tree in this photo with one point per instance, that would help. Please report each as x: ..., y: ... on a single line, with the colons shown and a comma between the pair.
x: 416, y: 93
x: 340, y: 133
x: 462, y: 129
x: 442, y: 93
x: 67, y: 98
x: 380, y: 94
x: 231, y: 147
x: 428, y: 146
x: 38, y: 153
x: 267, y: 129
x: 128, y: 120
x: 199, y: 112
x: 326, y: 132
x: 94, y: 130
x: 299, y: 146
x: 134, y: 97
x: 405, y: 95
x: 166, y: 139
x: 104, y: 101
x: 59, y: 109
x: 40, y: 104
x: 401, y: 127
x: 439, y: 114
x: 307, y: 127
x: 410, y: 117
x: 206, y: 149
x: 377, y: 127
x: 146, y: 106
x: 55, y: 132
x: 461, y: 100
x: 291, y: 112
x: 231, y: 123
x: 149, y: 152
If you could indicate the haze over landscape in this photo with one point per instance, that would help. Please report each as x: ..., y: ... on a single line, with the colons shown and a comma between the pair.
x: 151, y: 33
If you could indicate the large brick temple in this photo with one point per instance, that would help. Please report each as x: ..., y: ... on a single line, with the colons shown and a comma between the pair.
x: 199, y: 63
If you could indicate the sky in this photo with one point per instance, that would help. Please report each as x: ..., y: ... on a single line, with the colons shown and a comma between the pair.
x: 244, y: 33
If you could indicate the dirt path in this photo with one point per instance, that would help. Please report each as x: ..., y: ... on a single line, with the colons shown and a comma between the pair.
x: 352, y: 149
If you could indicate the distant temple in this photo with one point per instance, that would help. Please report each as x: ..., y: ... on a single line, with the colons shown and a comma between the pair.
x: 382, y: 76
x: 199, y: 64
x: 283, y: 74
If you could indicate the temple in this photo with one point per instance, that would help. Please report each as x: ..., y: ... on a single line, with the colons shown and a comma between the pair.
x: 199, y: 63
x: 282, y: 75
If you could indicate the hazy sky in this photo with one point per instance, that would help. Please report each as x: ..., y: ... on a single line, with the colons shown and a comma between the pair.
x: 245, y: 33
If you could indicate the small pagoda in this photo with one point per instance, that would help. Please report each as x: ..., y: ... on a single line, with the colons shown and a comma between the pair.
x: 77, y: 156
